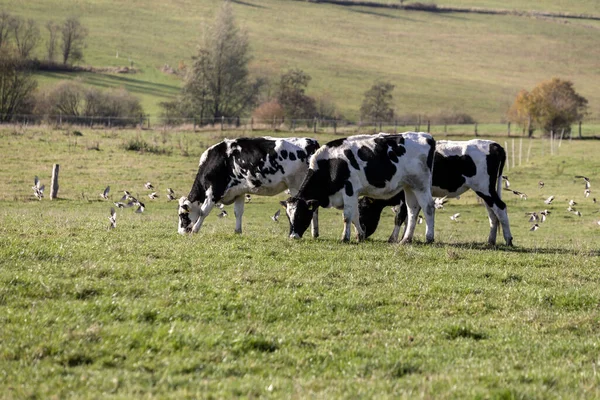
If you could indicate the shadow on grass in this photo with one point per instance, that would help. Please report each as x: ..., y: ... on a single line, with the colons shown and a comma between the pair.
x: 377, y: 14
x: 243, y: 3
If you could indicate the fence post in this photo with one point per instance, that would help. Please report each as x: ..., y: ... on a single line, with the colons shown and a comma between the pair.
x: 141, y: 121
x: 445, y: 128
x: 507, y: 156
x: 237, y: 122
x: 148, y: 121
x: 293, y: 126
x: 251, y: 124
x: 194, y: 124
x: 109, y: 125
x: 54, y: 182
x: 508, y: 129
x: 513, y: 153
x: 428, y: 126
x: 476, y: 134
x: 579, y: 129
x: 395, y: 126
x: 335, y: 126
x: 222, y: 121
x: 520, y: 150
x: 60, y: 119
x: 315, y: 125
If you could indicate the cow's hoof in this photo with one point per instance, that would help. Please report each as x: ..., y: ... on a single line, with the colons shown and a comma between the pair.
x: 239, y: 232
x: 406, y: 241
x: 392, y: 239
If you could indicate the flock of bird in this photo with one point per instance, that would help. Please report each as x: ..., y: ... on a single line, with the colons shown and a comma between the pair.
x: 128, y: 201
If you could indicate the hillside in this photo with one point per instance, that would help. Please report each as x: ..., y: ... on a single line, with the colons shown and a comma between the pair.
x: 472, y: 62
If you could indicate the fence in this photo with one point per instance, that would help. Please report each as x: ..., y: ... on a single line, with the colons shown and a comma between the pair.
x: 278, y: 124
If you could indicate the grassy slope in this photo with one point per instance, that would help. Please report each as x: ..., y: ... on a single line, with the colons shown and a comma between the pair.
x: 142, y: 311
x: 473, y: 62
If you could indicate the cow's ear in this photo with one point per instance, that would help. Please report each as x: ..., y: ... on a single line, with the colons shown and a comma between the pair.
x: 313, y: 204
x: 283, y: 203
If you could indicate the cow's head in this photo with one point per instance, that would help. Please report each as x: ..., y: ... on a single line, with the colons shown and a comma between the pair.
x: 189, y: 212
x: 300, y: 213
x: 369, y: 211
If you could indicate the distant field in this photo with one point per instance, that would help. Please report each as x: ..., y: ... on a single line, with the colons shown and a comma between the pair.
x: 144, y: 312
x: 476, y: 63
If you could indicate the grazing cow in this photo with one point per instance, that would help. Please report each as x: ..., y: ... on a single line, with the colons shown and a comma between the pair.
x: 378, y: 166
x: 233, y: 168
x: 458, y: 166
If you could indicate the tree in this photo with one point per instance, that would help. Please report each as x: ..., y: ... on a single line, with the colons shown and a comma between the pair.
x: 292, y: 97
x: 53, y: 30
x: 551, y: 106
x: 27, y: 36
x: 378, y: 103
x: 17, y: 86
x: 6, y: 21
x: 218, y: 83
x: 73, y: 40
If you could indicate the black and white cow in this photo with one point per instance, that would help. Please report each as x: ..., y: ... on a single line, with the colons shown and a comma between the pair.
x: 378, y: 166
x: 458, y: 166
x: 232, y: 168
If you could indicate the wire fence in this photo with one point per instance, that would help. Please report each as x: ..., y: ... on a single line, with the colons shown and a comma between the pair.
x: 315, y: 125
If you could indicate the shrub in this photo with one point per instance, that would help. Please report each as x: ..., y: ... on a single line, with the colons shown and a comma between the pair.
x: 268, y: 111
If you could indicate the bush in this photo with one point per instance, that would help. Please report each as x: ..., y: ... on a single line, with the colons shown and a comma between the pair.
x: 268, y: 111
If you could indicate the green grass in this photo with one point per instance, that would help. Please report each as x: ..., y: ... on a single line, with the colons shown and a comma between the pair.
x: 141, y: 311
x: 475, y: 63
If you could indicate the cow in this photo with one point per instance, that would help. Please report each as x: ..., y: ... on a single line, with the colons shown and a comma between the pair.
x: 231, y: 169
x: 377, y: 166
x: 458, y: 166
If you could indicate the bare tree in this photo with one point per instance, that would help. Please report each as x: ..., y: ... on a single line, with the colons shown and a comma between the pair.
x: 16, y: 86
x: 6, y: 21
x: 53, y: 30
x: 73, y: 40
x: 27, y: 36
x: 218, y: 83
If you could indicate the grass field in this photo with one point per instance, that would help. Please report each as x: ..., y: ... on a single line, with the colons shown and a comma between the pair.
x: 141, y: 311
x: 476, y: 63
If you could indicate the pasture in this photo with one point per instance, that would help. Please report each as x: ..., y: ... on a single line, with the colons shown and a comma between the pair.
x: 471, y: 62
x: 141, y: 311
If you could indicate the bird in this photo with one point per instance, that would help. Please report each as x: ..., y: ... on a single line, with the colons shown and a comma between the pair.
x: 594, y: 200
x: 439, y: 202
x: 38, y: 190
x: 153, y: 195
x: 598, y: 222
x: 104, y: 194
x: 533, y: 216
x: 420, y: 220
x: 455, y: 217
x: 549, y: 200
x: 170, y: 194
x: 588, y: 184
x: 248, y: 198
x: 572, y: 203
x: 148, y: 186
x: 535, y: 227
x: 520, y: 194
x: 506, y: 181
x: 112, y: 219
x: 141, y: 207
x: 123, y: 205
x: 576, y: 212
x: 126, y: 196
x: 586, y: 193
x: 222, y: 214
x: 220, y: 206
x: 275, y: 217
x: 541, y: 184
x: 544, y: 214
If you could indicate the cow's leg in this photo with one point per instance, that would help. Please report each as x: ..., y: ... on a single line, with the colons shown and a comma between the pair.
x: 399, y: 219
x: 315, y: 224
x: 351, y: 216
x: 425, y: 201
x: 238, y: 211
x: 493, y: 225
x: 502, y: 215
x: 412, y: 210
x: 205, y: 209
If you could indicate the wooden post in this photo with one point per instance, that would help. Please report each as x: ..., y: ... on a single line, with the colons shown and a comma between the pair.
x: 562, y: 132
x: 194, y: 124
x: 396, y: 126
x: 478, y: 135
x: 513, y: 153
x: 508, y: 129
x: 579, y: 130
x: 222, y: 121
x: 520, y: 150
x: 109, y: 121
x: 251, y: 124
x: 54, y: 182
x: 507, y: 157
x: 148, y: 121
x: 315, y: 125
x: 428, y: 126
x: 529, y: 150
x: 293, y: 125
x: 335, y: 126
x: 445, y: 128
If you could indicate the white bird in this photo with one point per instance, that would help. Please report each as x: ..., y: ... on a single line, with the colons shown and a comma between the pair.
x: 572, y: 203
x: 275, y: 217
x: 586, y: 193
x: 248, y: 198
x: 104, y: 194
x: 598, y: 222
x: 124, y: 205
x: 516, y: 192
x: 126, y: 196
x: 222, y: 214
x: 38, y: 190
x: 438, y: 202
x: 112, y: 219
x: 170, y: 194
x: 420, y: 220
x: 544, y: 214
x: 506, y: 181
x: 220, y: 206
x: 153, y: 195
x: 588, y: 184
x: 455, y: 217
x: 148, y: 186
x: 535, y: 227
x: 533, y: 216
x: 577, y: 213
x: 141, y: 207
x: 549, y: 200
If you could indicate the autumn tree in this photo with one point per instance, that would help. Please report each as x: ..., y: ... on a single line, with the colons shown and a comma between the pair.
x: 292, y: 95
x: 73, y: 40
x: 551, y: 106
x: 218, y: 82
x: 378, y: 103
